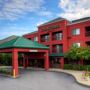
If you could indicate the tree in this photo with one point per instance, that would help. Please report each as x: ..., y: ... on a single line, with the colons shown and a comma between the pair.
x: 78, y: 53
x: 84, y: 53
x: 72, y: 53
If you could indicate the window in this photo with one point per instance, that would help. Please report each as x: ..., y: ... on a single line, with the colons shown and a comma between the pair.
x: 57, y: 36
x: 35, y: 38
x: 76, y: 44
x: 87, y: 31
x: 57, y: 48
x: 45, y: 38
x: 76, y: 31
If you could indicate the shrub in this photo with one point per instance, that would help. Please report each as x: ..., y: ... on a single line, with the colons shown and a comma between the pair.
x: 68, y: 66
x: 4, y: 71
x: 76, y: 67
x: 87, y: 67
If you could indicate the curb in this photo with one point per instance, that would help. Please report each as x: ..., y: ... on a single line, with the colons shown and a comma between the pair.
x: 73, y: 77
x: 10, y: 76
x: 4, y: 75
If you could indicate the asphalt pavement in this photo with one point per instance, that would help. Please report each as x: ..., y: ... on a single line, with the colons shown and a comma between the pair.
x: 40, y: 80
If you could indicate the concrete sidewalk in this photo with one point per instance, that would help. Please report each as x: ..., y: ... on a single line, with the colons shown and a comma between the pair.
x: 78, y: 75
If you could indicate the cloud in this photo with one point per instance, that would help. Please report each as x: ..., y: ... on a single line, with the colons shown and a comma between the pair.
x: 45, y: 13
x: 74, y: 9
x: 13, y: 9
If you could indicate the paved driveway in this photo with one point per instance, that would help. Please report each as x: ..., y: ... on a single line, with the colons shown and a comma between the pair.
x: 40, y: 80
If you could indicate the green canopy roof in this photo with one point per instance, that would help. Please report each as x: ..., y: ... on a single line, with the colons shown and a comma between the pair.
x: 21, y: 42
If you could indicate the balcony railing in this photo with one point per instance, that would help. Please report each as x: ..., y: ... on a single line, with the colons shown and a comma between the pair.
x: 87, y: 34
x: 57, y: 38
x: 44, y: 40
x: 56, y: 51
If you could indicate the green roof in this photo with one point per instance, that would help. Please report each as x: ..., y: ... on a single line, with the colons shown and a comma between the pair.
x: 21, y: 42
x: 55, y: 54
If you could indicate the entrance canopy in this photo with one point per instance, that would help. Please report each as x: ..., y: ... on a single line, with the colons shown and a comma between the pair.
x: 21, y: 44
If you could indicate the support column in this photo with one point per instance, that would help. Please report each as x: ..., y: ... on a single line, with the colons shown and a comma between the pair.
x: 51, y: 63
x: 25, y: 61
x: 61, y: 62
x: 0, y: 59
x: 28, y: 61
x: 46, y: 61
x: 15, y: 63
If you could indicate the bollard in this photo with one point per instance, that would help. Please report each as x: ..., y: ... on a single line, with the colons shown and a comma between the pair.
x: 14, y: 73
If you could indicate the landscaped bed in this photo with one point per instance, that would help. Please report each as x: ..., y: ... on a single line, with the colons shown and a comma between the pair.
x: 84, y: 68
x: 5, y: 71
x: 76, y: 67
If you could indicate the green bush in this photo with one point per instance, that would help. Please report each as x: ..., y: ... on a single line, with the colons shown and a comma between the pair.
x: 87, y: 67
x: 68, y: 66
x: 76, y: 67
x: 4, y: 71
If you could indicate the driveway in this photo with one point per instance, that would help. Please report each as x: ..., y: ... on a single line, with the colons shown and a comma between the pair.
x: 40, y: 80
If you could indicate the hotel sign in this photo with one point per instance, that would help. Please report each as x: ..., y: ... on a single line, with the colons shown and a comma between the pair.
x: 52, y: 27
x: 33, y: 50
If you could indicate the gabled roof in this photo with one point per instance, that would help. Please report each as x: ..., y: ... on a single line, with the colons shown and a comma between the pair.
x: 80, y: 20
x: 70, y: 22
x: 30, y: 33
x: 21, y: 42
x: 54, y: 20
x: 7, y: 39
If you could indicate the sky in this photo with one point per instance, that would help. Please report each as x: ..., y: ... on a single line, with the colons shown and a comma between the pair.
x: 18, y: 17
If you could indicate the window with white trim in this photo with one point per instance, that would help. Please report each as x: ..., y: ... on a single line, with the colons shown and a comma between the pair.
x: 76, y: 31
x: 58, y: 36
x: 77, y: 44
x: 45, y: 38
